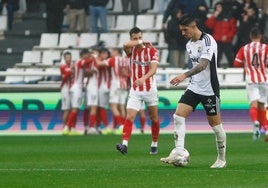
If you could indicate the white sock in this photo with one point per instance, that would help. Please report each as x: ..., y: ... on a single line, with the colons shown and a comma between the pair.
x: 154, y: 144
x: 65, y: 128
x: 125, y: 142
x: 220, y: 141
x: 179, y: 131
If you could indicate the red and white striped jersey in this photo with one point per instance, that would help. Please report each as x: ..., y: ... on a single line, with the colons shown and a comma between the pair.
x: 104, y: 80
x: 254, y: 57
x: 140, y: 63
x: 92, y: 65
x: 120, y: 71
x: 65, y: 71
x: 78, y: 72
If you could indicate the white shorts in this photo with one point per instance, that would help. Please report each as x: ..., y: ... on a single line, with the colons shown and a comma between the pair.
x: 103, y: 97
x: 118, y: 96
x: 136, y: 99
x: 257, y: 91
x: 65, y: 100
x: 91, y: 95
x: 76, y: 96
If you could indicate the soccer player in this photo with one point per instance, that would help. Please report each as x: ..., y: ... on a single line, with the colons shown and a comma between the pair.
x: 76, y: 92
x: 91, y: 97
x: 143, y: 62
x: 253, y: 57
x: 203, y: 88
x: 65, y: 70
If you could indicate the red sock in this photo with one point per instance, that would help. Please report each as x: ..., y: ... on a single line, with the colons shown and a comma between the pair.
x: 253, y: 112
x: 71, y: 121
x: 117, y: 120
x: 85, y: 117
x: 92, y: 120
x: 103, y: 116
x: 155, y: 130
x: 127, y: 130
x: 142, y: 121
x: 262, y: 118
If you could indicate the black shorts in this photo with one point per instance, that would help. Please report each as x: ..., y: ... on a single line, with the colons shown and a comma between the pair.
x: 210, y: 103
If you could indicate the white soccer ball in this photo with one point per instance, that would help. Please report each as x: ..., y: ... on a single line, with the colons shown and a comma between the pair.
x: 182, y: 157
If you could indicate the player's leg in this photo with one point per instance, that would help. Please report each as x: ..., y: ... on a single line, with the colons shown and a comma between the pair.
x: 66, y: 107
x: 155, y: 128
x: 133, y: 106
x: 92, y: 102
x: 142, y: 119
x: 212, y: 106
x: 253, y: 97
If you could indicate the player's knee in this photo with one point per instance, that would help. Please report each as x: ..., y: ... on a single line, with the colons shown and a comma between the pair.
x: 178, y: 120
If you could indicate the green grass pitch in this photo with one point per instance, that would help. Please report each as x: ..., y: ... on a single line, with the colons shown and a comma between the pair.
x: 92, y: 161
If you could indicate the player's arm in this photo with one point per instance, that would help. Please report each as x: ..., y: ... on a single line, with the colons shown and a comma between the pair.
x: 149, y: 74
x: 239, y: 59
x: 130, y: 44
x: 203, y: 63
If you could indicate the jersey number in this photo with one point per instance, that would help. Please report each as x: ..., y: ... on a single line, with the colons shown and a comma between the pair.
x: 255, y: 61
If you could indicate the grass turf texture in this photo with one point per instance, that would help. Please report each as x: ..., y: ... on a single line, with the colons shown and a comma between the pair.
x: 92, y: 161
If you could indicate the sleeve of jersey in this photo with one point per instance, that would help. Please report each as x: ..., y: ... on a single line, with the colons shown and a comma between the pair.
x: 238, y: 62
x: 154, y: 55
x: 208, y: 49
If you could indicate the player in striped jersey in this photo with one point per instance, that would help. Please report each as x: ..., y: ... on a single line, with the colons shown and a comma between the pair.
x: 143, y: 62
x: 203, y: 88
x: 65, y: 70
x: 253, y: 57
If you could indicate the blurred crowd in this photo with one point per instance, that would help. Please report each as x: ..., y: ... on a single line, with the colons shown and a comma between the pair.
x: 229, y: 21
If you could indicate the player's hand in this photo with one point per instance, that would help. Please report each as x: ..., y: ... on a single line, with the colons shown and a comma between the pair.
x: 147, y: 44
x: 178, y: 79
x: 139, y: 82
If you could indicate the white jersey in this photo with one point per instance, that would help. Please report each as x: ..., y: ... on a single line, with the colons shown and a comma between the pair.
x: 206, y: 82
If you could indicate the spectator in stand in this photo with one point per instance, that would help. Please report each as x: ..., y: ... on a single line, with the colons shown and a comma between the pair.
x: 161, y: 5
x: 196, y: 7
x: 176, y: 42
x: 232, y: 8
x: 249, y: 20
x: 223, y: 27
x: 134, y: 6
x: 55, y: 15
x: 250, y: 3
x: 98, y: 11
x: 253, y: 57
x: 262, y: 5
x: 77, y: 15
x: 264, y: 26
x: 10, y: 6
x: 66, y: 71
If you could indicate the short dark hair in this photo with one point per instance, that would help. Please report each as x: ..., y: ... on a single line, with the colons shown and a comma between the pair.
x: 84, y: 51
x: 66, y: 53
x: 135, y: 30
x: 187, y: 19
x: 255, y: 32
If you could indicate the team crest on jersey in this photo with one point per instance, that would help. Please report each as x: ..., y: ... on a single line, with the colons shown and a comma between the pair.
x: 199, y: 49
x: 141, y: 63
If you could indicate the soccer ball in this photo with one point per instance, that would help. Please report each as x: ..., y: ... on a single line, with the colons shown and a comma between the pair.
x: 182, y: 157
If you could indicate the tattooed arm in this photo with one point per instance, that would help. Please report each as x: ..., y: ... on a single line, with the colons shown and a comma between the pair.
x: 197, y: 69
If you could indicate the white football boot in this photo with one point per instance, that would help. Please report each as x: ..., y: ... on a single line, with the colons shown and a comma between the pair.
x: 219, y: 164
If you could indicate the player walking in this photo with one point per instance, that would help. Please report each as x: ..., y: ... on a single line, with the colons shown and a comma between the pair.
x: 203, y: 88
x: 143, y: 62
x: 253, y: 57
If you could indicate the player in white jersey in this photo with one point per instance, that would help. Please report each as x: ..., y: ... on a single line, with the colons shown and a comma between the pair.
x: 203, y: 88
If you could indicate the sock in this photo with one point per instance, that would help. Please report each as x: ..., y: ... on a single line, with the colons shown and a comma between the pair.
x: 103, y: 116
x: 71, y: 119
x: 127, y: 129
x: 155, y: 130
x: 117, y: 121
x: 154, y: 144
x: 262, y: 118
x: 142, y: 121
x: 85, y: 117
x: 74, y: 119
x: 253, y: 112
x: 220, y: 141
x: 179, y: 131
x: 92, y: 120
